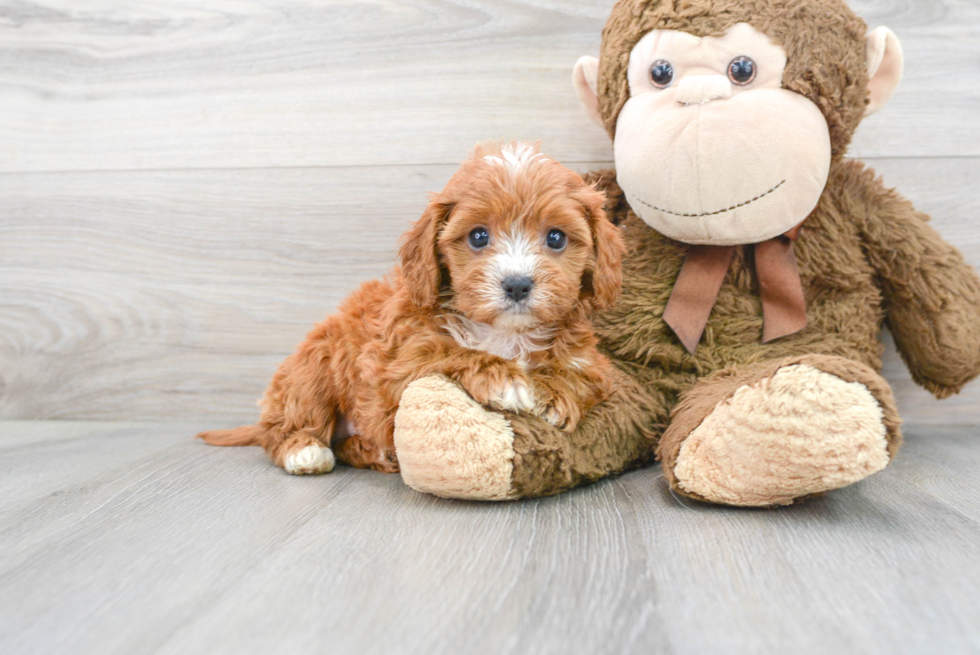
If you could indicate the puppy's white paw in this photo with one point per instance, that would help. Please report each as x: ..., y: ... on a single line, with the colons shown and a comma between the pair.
x: 311, y: 460
x: 513, y: 396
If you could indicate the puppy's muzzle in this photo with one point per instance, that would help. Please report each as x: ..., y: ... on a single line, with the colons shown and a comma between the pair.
x: 517, y: 288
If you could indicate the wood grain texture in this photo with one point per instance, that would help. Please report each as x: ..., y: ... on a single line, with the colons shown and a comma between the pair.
x: 164, y: 294
x: 175, y: 84
x: 159, y: 544
x: 160, y: 294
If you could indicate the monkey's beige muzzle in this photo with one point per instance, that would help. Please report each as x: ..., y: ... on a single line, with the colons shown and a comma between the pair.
x: 699, y: 89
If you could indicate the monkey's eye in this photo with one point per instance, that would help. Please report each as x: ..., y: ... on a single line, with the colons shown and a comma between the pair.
x: 556, y: 239
x: 479, y: 238
x: 741, y: 71
x: 661, y: 73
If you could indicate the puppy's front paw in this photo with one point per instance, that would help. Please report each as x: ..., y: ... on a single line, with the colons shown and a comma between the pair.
x: 555, y: 417
x: 309, y: 460
x: 559, y: 412
x: 513, y: 395
x: 502, y: 386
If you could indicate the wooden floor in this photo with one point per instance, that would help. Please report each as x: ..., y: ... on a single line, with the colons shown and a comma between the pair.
x: 132, y: 538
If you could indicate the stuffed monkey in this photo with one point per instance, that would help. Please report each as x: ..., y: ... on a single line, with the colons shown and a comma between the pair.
x: 761, y: 267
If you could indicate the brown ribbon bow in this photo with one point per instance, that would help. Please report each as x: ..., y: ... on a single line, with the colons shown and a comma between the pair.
x: 701, y: 277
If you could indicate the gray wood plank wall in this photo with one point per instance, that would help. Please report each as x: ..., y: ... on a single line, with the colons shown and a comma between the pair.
x: 186, y: 187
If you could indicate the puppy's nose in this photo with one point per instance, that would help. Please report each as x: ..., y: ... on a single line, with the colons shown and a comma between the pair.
x: 517, y: 288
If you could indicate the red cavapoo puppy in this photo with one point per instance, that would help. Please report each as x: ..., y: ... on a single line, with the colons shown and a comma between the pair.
x: 498, y: 281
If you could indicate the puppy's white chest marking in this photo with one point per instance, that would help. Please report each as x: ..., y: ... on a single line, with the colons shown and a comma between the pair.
x: 508, y: 344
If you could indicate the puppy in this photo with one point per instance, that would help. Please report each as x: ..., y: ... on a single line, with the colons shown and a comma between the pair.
x: 495, y: 291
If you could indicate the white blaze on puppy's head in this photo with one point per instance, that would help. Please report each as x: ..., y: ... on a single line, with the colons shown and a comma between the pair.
x: 515, y: 254
x: 515, y: 263
x: 515, y: 157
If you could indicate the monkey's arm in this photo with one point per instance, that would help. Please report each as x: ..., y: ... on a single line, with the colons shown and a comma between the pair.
x: 450, y: 446
x: 932, y: 296
x: 617, y: 434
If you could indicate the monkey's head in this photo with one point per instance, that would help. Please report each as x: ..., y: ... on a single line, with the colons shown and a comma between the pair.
x: 726, y: 114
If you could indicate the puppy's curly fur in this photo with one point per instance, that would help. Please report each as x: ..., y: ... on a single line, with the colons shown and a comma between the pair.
x: 448, y: 311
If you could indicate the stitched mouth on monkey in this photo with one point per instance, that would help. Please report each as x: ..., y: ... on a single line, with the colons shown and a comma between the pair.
x: 689, y: 177
x: 714, y: 213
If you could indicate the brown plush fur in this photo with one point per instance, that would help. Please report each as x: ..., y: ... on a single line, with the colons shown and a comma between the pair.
x: 867, y: 259
x: 352, y: 369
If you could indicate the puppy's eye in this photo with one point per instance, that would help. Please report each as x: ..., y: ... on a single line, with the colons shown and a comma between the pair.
x: 661, y: 73
x: 556, y: 239
x: 741, y: 71
x: 479, y: 238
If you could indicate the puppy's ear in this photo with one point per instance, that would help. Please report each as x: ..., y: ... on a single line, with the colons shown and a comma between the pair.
x: 419, y: 254
x: 604, y: 279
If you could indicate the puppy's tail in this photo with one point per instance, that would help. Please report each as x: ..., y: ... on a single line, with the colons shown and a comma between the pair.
x: 246, y: 435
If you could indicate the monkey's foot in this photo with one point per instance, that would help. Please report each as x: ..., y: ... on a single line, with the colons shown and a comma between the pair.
x: 780, y: 432
x: 450, y: 446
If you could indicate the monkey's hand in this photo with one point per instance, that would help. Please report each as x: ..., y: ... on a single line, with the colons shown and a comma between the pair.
x: 932, y: 295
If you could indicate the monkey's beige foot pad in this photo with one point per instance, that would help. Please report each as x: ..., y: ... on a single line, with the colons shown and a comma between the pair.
x: 450, y: 446
x: 800, y: 432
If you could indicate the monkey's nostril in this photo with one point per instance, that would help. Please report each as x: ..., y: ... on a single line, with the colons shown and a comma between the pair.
x: 517, y: 288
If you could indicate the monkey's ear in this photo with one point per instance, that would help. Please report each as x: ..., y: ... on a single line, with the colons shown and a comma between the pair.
x: 585, y: 77
x: 885, y: 65
x: 418, y: 252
